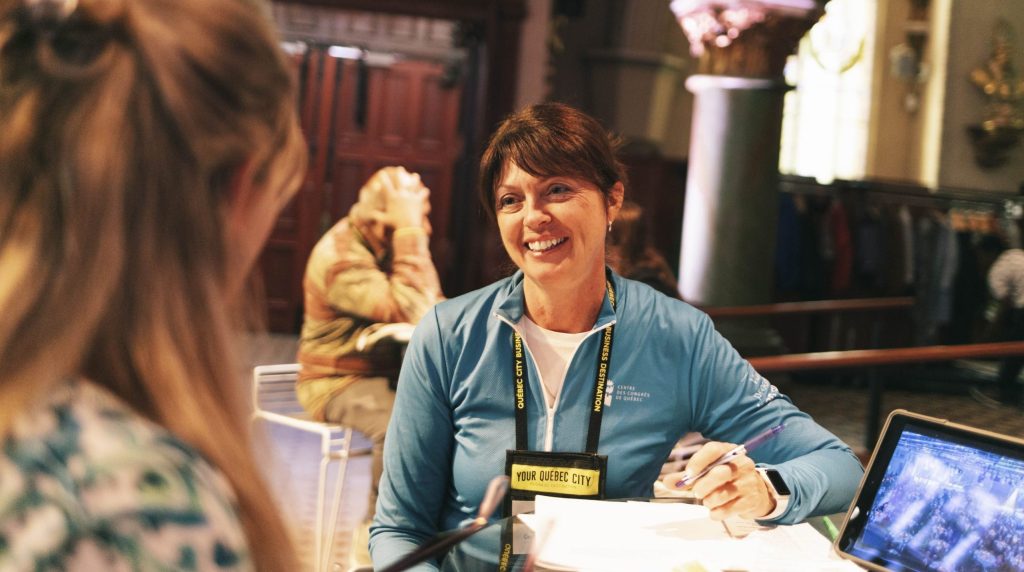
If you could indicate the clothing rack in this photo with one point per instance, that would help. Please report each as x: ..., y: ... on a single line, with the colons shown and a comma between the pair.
x: 1003, y: 205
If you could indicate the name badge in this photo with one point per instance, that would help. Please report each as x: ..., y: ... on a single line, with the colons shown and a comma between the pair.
x: 574, y: 475
x: 569, y: 481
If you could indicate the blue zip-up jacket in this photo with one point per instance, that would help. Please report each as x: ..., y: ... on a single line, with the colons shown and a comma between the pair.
x: 670, y: 373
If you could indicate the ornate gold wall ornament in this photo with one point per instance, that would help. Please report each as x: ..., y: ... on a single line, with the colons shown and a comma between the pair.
x: 1003, y: 122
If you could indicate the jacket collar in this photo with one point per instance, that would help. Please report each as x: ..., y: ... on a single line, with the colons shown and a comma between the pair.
x: 512, y: 307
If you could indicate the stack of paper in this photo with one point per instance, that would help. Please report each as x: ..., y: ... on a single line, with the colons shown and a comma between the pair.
x: 596, y: 536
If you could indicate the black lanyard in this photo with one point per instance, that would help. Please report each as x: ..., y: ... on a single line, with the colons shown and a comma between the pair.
x: 520, y: 375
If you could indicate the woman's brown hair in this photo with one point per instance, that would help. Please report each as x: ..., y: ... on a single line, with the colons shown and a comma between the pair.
x: 546, y: 140
x: 124, y: 124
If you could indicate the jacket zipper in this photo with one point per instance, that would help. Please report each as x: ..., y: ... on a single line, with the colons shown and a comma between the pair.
x: 549, y: 433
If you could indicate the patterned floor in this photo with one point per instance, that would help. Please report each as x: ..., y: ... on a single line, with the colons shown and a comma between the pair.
x: 838, y: 404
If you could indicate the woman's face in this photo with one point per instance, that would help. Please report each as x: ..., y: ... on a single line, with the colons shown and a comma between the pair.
x: 554, y: 228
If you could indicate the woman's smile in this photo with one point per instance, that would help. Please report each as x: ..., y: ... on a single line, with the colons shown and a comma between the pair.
x: 539, y: 247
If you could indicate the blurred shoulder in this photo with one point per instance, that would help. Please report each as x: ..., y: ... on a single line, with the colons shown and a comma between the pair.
x: 86, y: 482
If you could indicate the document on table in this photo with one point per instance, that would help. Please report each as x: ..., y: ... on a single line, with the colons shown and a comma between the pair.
x: 597, y: 536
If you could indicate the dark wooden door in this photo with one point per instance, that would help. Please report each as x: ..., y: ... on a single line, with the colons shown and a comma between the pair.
x: 356, y: 119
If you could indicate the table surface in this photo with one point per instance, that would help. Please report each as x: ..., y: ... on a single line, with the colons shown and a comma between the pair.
x: 481, y: 551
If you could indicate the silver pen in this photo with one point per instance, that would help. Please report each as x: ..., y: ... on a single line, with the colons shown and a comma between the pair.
x: 750, y: 445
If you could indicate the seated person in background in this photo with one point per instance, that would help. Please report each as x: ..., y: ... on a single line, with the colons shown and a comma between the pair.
x: 631, y: 254
x: 371, y: 269
x: 1006, y: 283
x: 509, y: 375
x: 141, y: 170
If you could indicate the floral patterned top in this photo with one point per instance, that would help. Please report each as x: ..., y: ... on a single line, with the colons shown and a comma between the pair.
x: 88, y: 484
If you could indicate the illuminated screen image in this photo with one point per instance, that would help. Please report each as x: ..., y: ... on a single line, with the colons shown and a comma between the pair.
x: 946, y: 507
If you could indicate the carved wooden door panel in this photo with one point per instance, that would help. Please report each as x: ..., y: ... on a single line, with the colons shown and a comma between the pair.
x: 409, y: 118
x: 356, y: 119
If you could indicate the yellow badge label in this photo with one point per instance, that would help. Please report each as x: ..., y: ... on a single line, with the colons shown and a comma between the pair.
x: 562, y: 480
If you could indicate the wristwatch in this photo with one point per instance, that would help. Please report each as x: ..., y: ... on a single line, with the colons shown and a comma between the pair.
x: 778, y: 489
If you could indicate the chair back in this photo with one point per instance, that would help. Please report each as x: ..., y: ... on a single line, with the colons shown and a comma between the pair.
x: 275, y: 401
x: 274, y: 390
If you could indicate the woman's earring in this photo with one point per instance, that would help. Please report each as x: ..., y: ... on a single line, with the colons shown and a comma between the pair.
x: 609, y: 226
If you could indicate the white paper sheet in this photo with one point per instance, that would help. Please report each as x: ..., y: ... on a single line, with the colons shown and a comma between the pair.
x: 613, y: 536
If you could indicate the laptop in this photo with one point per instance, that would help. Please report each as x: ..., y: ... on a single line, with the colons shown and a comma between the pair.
x: 938, y: 496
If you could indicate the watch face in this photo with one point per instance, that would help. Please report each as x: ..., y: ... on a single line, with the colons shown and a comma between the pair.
x: 777, y: 483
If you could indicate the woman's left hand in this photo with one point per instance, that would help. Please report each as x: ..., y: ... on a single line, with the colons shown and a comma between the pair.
x: 732, y: 489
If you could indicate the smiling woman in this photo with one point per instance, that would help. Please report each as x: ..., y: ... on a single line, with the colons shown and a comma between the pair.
x: 554, y: 230
x: 551, y: 178
x: 595, y: 375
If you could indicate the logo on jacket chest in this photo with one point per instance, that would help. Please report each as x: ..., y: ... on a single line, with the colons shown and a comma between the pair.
x: 620, y: 392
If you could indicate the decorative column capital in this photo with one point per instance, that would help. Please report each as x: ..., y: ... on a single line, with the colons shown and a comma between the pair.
x: 745, y: 38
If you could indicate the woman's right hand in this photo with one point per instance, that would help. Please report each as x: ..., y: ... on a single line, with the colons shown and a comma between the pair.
x: 732, y: 489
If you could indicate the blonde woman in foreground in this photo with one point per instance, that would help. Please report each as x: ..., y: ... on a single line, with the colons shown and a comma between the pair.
x: 146, y: 149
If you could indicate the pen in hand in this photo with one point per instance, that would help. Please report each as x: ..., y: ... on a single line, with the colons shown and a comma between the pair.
x: 731, y: 454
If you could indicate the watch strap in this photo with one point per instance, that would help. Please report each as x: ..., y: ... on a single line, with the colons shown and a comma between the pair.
x: 781, y: 501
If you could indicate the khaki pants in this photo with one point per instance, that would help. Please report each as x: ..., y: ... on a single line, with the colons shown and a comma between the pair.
x: 365, y: 406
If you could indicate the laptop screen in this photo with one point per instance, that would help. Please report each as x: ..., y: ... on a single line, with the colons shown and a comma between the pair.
x: 939, y: 497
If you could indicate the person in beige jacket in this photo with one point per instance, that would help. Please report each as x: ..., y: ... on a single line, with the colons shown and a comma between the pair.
x: 368, y: 275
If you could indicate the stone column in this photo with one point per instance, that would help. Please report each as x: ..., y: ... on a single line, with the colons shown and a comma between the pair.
x: 728, y: 244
